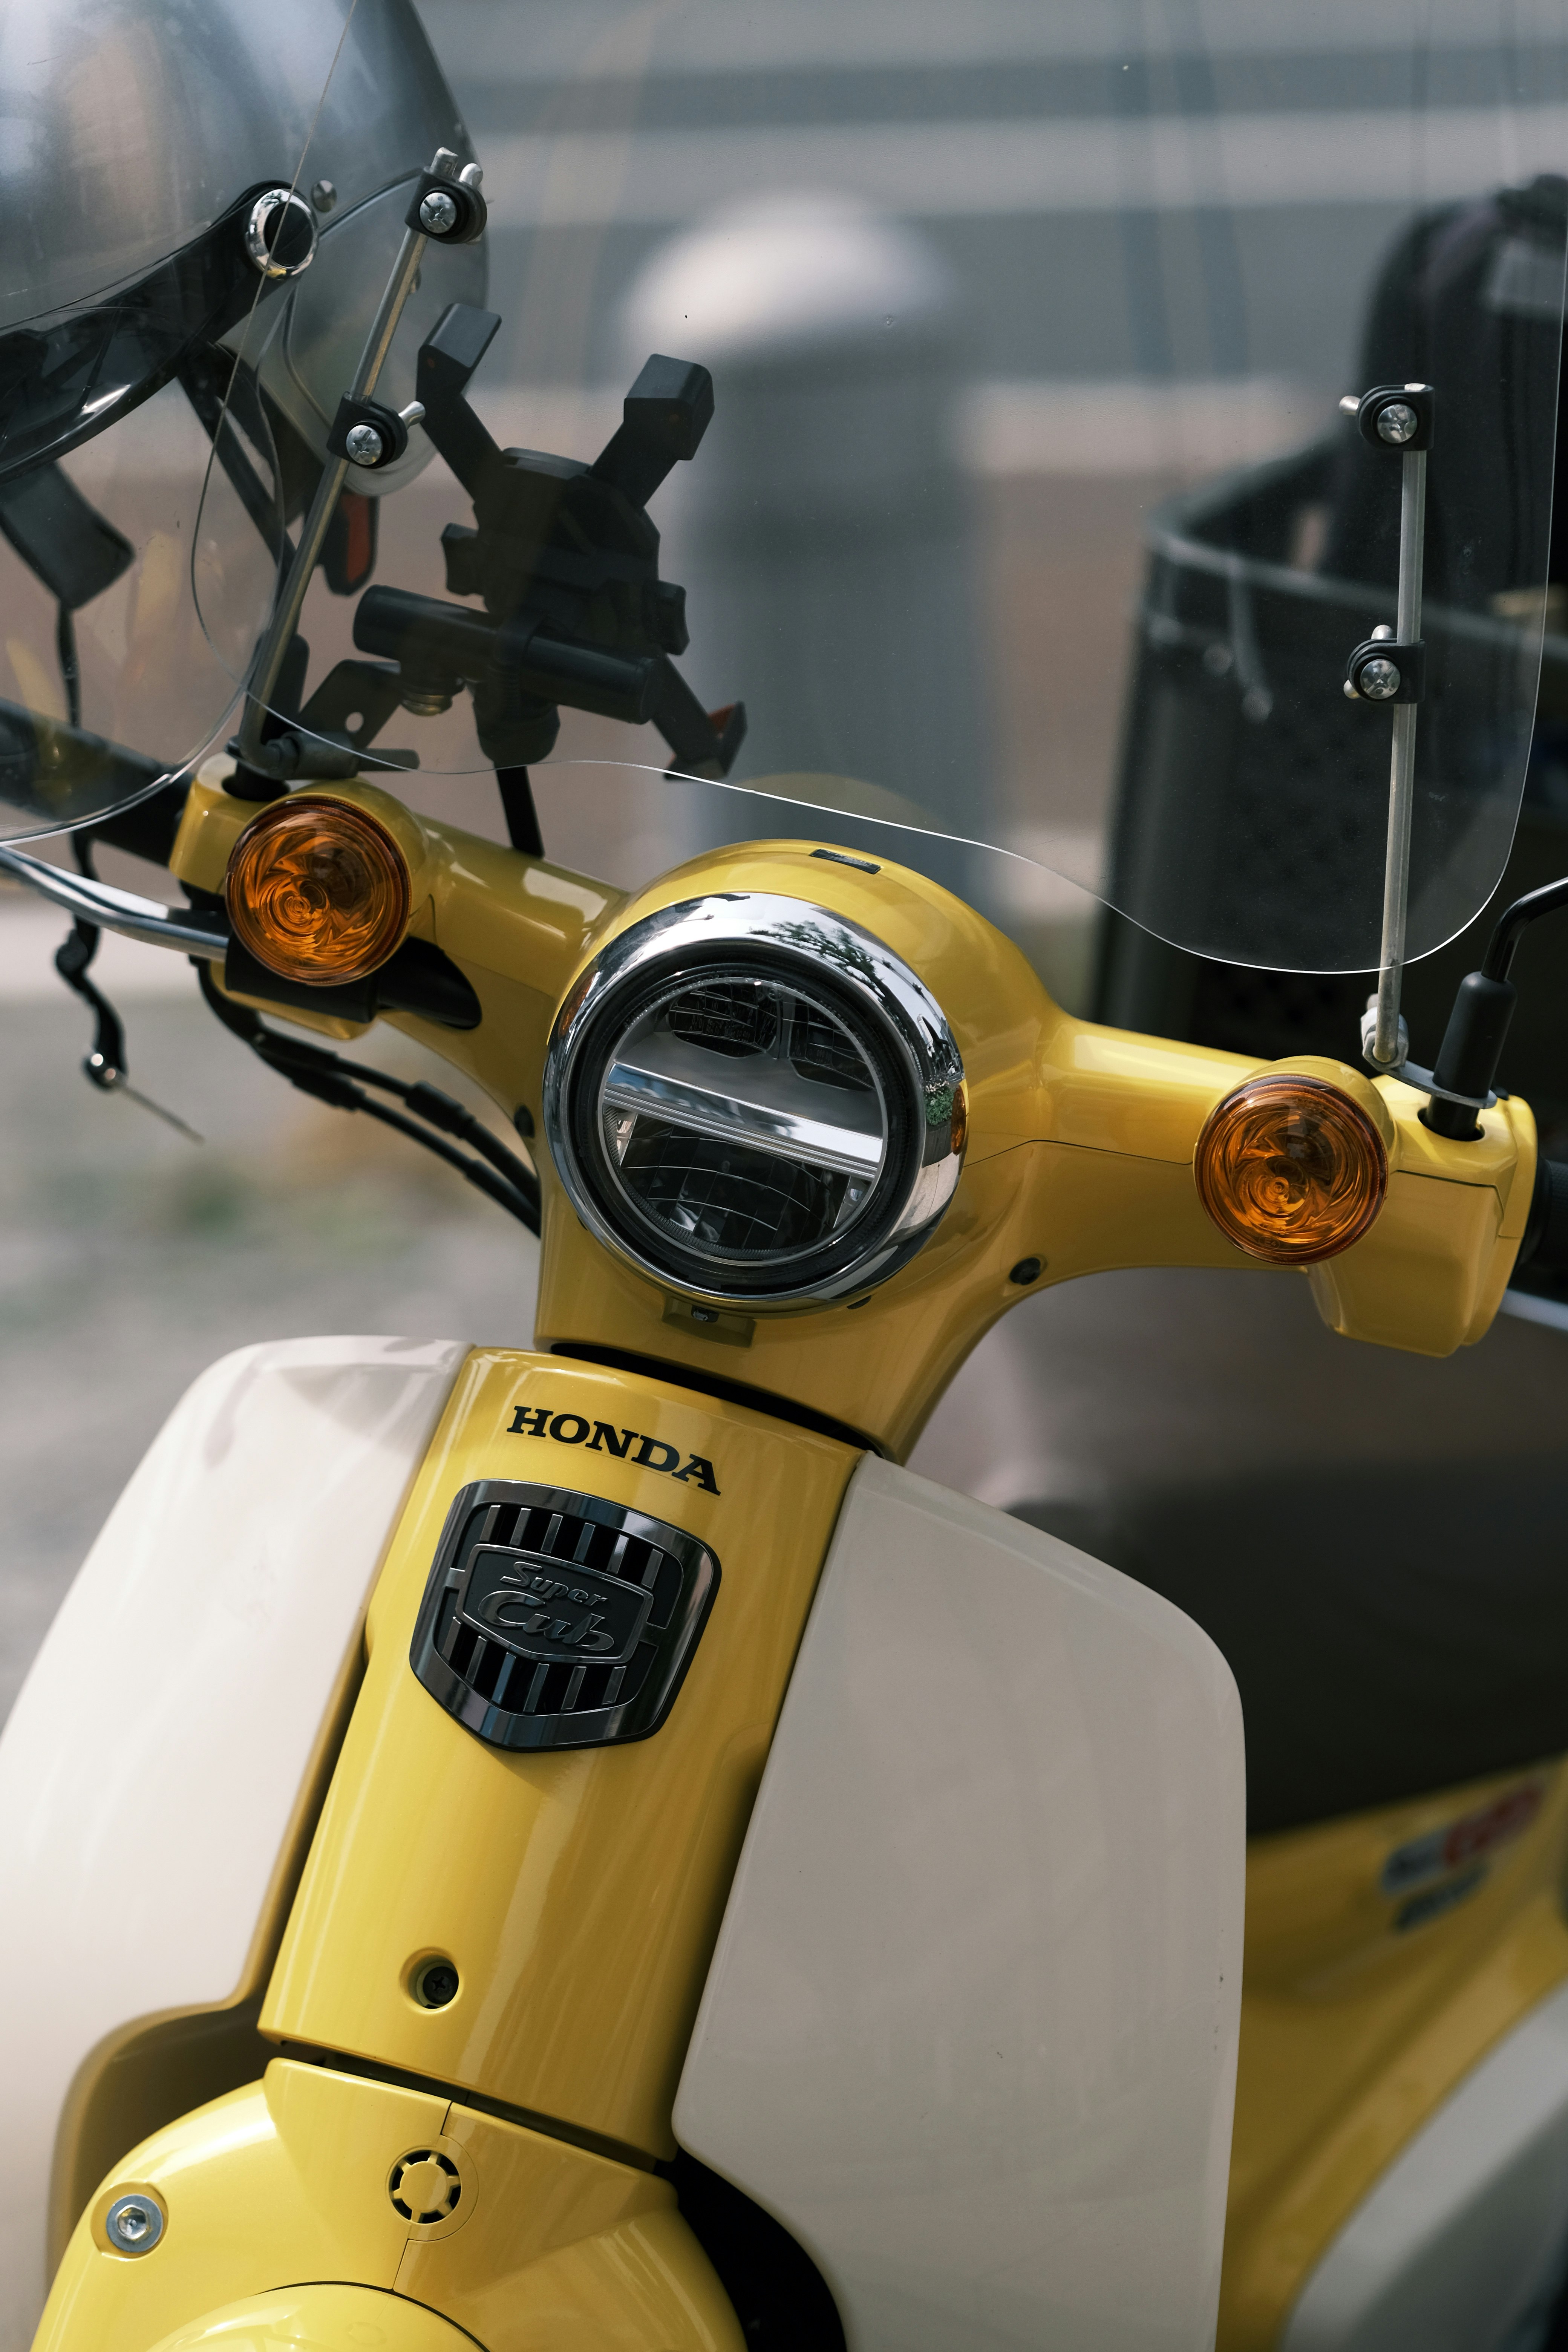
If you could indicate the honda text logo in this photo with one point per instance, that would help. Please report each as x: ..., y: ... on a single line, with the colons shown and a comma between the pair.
x: 604, y: 1437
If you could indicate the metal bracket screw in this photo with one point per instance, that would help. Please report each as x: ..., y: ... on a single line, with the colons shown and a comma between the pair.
x: 133, y: 2224
x: 437, y: 214
x: 364, y: 445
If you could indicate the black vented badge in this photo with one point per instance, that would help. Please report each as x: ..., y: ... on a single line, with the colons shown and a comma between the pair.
x: 555, y: 1620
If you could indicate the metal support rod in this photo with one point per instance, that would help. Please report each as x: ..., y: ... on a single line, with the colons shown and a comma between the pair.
x: 1385, y: 1048
x: 117, y: 911
x: 373, y: 357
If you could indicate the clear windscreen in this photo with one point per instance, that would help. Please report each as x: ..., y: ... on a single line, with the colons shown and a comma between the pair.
x: 1027, y: 529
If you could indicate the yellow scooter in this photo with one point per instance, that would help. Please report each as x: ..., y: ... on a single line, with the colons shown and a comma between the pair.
x: 581, y: 1847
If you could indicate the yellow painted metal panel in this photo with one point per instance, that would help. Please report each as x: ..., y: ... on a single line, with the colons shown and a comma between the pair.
x: 284, y: 2180
x: 550, y: 2247
x: 318, y: 2319
x: 1431, y: 1274
x: 578, y: 1892
x: 568, y: 2253
x: 1364, y: 2004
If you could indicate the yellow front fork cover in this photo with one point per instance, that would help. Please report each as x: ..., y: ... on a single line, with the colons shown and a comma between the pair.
x: 318, y: 2319
x: 578, y: 1892
x: 546, y: 2248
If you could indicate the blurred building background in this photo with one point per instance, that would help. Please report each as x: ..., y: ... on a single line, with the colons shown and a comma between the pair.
x: 980, y: 286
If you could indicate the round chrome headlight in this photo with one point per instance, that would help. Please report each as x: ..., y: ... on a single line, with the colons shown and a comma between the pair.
x: 756, y: 1101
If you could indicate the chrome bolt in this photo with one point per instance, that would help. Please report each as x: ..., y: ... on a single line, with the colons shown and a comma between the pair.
x: 1378, y: 680
x: 1397, y: 421
x: 1383, y: 630
x: 324, y: 195
x: 439, y: 213
x: 363, y: 445
x: 133, y: 2224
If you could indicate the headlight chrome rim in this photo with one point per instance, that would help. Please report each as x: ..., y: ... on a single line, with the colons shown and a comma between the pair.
x: 845, y: 973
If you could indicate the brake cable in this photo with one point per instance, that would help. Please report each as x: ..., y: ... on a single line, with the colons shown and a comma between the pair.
x: 105, y: 1066
x: 330, y: 1077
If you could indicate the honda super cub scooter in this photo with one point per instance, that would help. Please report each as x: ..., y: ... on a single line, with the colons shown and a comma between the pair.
x: 581, y: 1847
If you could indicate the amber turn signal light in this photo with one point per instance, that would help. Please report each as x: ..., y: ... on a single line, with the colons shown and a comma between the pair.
x: 318, y: 891
x: 1290, y: 1170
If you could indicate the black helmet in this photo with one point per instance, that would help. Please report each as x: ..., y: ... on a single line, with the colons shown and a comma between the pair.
x: 200, y: 204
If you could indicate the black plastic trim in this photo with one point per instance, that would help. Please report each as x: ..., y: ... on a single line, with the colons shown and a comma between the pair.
x: 418, y: 979
x: 714, y: 1385
x: 148, y: 827
x: 371, y: 2070
x: 781, y: 2298
x: 631, y: 1605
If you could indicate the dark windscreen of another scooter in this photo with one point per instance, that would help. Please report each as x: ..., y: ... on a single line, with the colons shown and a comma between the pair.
x: 1027, y: 529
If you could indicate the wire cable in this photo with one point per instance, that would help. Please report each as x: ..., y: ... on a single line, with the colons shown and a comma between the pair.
x: 330, y: 1077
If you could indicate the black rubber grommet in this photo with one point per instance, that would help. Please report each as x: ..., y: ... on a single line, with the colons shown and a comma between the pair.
x: 435, y: 1984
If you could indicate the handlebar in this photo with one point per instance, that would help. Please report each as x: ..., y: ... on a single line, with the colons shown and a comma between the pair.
x: 438, y: 645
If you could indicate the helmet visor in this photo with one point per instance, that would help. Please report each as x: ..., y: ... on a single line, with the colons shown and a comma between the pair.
x: 169, y: 176
x: 110, y: 679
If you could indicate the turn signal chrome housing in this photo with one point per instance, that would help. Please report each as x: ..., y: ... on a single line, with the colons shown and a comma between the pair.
x: 1290, y: 1170
x: 318, y: 891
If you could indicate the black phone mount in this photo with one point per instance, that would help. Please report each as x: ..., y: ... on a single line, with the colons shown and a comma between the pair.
x: 563, y: 557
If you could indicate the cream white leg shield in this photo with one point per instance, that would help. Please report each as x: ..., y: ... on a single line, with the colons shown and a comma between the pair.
x: 971, y: 2026
x: 156, y: 1773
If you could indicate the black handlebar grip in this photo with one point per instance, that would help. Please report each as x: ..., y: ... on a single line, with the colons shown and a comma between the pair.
x: 1545, y: 1244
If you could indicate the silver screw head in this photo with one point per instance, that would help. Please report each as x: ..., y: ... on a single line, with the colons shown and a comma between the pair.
x: 133, y: 2224
x: 438, y: 213
x: 324, y: 195
x: 364, y: 445
x: 1378, y: 680
x: 1397, y: 421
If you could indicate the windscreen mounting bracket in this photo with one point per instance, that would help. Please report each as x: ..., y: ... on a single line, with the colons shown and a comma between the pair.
x: 1389, y: 668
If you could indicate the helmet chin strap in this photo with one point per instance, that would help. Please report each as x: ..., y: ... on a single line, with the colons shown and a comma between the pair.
x: 73, y: 550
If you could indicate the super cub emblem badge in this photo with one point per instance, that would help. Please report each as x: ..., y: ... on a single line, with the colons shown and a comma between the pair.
x: 543, y: 1614
x: 557, y: 1620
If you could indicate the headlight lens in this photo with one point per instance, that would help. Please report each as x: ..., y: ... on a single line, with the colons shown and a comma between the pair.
x: 761, y: 1106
